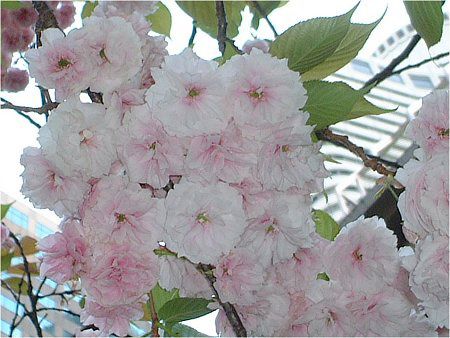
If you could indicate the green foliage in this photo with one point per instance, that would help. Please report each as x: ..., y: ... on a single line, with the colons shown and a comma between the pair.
x: 161, y: 296
x: 161, y: 20
x: 88, y: 8
x: 13, y: 4
x: 332, y: 102
x: 180, y: 309
x: 266, y: 6
x: 204, y: 13
x: 4, y: 209
x: 326, y: 226
x: 427, y: 18
x: 28, y: 245
x: 311, y: 42
x: 349, y: 47
x: 323, y: 275
x: 181, y: 330
x: 6, y: 260
x: 14, y: 284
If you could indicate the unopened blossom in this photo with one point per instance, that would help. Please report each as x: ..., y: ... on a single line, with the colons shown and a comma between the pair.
x: 203, y: 222
x: 46, y: 186
x: 78, y: 137
x: 65, y: 14
x: 430, y: 277
x: 149, y: 154
x: 124, y: 212
x: 120, y: 274
x: 14, y: 80
x: 64, y: 253
x: 227, y: 156
x: 430, y: 129
x: 256, y: 43
x: 188, y: 95
x: 288, y: 159
x: 424, y: 204
x: 238, y: 276
x: 115, y: 49
x: 61, y: 64
x: 262, y: 88
x: 364, y: 255
x: 111, y: 319
x: 283, y: 225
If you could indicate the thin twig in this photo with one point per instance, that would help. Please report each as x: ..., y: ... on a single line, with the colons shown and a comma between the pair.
x: 54, y: 293
x: 229, y: 309
x: 33, y: 300
x: 41, y: 110
x: 155, y: 319
x: 385, y: 73
x: 193, y: 34
x: 264, y: 15
x: 236, y: 48
x: 343, y: 141
x: 221, y: 26
x: 434, y: 58
x: 59, y: 310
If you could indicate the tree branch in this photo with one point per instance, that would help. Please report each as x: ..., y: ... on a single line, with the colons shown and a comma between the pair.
x: 193, y: 34
x: 221, y: 26
x: 59, y: 310
x: 46, y: 20
x: 155, y: 319
x: 434, y: 58
x: 343, y: 141
x: 264, y: 15
x: 230, y: 310
x: 385, y: 73
x: 41, y: 110
x: 236, y: 49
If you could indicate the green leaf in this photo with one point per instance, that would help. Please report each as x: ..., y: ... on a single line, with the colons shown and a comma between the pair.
x: 20, y: 269
x: 427, y: 18
x: 323, y: 275
x: 326, y: 226
x: 161, y: 296
x: 181, y: 309
x: 349, y: 47
x: 13, y: 5
x: 331, y: 102
x: 82, y: 302
x: 4, y: 209
x: 204, y: 13
x: 14, y: 283
x: 181, y: 330
x: 88, y: 8
x: 161, y: 20
x: 311, y: 42
x: 6, y: 260
x: 266, y: 6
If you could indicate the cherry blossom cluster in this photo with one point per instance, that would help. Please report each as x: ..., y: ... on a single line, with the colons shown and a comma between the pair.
x: 184, y: 163
x: 17, y: 35
x: 424, y: 206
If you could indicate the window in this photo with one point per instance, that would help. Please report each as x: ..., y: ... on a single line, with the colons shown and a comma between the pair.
x: 362, y: 67
x: 421, y: 81
x: 5, y: 328
x: 42, y: 230
x: 400, y: 33
x: 381, y: 49
x: 67, y: 334
x: 47, y: 302
x: 17, y: 332
x: 47, y: 326
x: 396, y: 78
x: 390, y: 41
x: 17, y: 217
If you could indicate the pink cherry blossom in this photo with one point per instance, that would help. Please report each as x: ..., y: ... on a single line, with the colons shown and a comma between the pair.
x: 263, y: 88
x: 149, y: 154
x: 424, y: 204
x: 46, y: 186
x: 283, y: 225
x: 111, y: 319
x: 187, y: 96
x: 124, y: 212
x: 203, y: 222
x: 14, y: 80
x: 238, y: 276
x: 227, y: 156
x: 430, y: 129
x: 364, y: 255
x: 120, y: 274
x: 61, y: 63
x: 64, y: 253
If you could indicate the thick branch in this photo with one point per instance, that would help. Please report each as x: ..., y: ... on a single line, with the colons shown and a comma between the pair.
x: 416, y: 65
x: 264, y: 15
x: 221, y: 26
x: 385, y: 73
x: 230, y: 310
x: 343, y: 141
x: 41, y: 110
